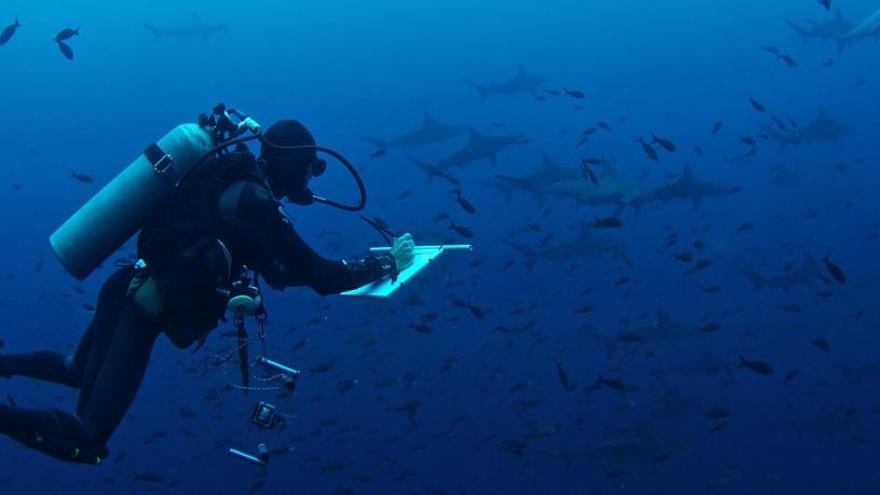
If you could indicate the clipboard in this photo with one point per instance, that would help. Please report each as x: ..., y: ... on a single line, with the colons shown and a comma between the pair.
x: 422, y: 257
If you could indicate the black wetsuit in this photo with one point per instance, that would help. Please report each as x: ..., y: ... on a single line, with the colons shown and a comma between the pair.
x: 230, y: 202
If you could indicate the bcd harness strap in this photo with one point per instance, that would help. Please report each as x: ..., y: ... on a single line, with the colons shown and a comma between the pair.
x: 162, y: 163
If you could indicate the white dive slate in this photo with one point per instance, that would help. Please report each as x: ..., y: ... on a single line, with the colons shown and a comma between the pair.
x: 423, y: 255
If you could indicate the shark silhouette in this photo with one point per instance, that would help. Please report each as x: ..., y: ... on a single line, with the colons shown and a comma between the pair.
x: 688, y: 186
x: 822, y: 129
x: 430, y: 132
x: 195, y: 28
x: 523, y: 82
x: 480, y: 147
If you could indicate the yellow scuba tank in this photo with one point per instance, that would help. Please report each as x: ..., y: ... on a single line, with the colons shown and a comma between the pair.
x: 120, y: 209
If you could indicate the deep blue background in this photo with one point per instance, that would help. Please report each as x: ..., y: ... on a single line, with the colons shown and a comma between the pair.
x: 347, y: 69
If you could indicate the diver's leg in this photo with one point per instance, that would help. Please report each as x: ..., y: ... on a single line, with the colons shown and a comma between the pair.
x: 82, y: 437
x: 68, y: 370
x: 105, y: 400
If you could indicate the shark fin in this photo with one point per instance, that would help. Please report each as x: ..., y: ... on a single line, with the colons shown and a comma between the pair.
x: 608, y: 170
x: 663, y: 321
x: 546, y: 161
x: 378, y: 143
x: 479, y: 88
x: 429, y: 120
x: 687, y: 174
x: 800, y: 30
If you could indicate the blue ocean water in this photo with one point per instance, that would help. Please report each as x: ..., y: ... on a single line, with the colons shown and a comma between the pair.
x: 606, y: 360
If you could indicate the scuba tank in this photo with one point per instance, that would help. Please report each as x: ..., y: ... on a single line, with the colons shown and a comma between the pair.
x: 123, y: 206
x: 120, y: 209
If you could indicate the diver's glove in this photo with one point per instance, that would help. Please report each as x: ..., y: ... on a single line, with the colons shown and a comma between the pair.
x: 403, y: 251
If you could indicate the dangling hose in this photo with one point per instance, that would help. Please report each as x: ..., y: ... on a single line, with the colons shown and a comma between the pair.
x: 362, y: 190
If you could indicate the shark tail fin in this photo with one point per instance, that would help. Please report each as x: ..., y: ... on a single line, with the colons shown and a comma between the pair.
x: 479, y: 88
x: 523, y: 184
x: 531, y: 255
x: 800, y: 30
x: 156, y: 32
x: 378, y: 143
x: 423, y: 166
x: 758, y: 281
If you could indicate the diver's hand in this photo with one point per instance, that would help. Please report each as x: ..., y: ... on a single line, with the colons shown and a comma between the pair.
x: 403, y: 251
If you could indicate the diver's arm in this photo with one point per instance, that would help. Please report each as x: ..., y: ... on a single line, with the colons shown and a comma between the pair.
x: 275, y: 250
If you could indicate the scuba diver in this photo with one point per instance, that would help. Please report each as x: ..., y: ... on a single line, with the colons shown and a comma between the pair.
x: 196, y: 251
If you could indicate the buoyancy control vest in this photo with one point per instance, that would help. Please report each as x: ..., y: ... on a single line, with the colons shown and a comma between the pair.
x: 183, y: 252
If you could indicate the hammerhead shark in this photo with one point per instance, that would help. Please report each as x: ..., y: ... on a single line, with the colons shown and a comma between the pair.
x: 539, y: 183
x: 688, y: 186
x: 586, y: 244
x: 195, y: 28
x: 822, y: 129
x: 805, y: 274
x: 430, y: 132
x: 832, y: 30
x: 838, y: 29
x: 523, y: 82
x: 869, y: 28
x: 481, y: 147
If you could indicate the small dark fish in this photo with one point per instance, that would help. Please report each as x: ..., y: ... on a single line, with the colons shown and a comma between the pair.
x: 584, y: 309
x: 709, y: 327
x: 757, y: 105
x: 631, y: 337
x: 148, y: 477
x: 760, y: 367
x: 592, y: 161
x: 716, y: 413
x: 712, y: 289
x: 699, y: 151
x: 589, y: 132
x: 462, y: 231
x: 649, y: 151
x: 477, y: 312
x: 684, y: 257
x: 553, y: 92
x: 66, y: 34
x: 788, y: 59
x: 779, y: 123
x: 745, y: 226
x: 562, y: 375
x: 378, y: 153
x: 405, y: 194
x: 664, y: 143
x: 84, y: 178
x: 578, y: 95
x: 588, y: 174
x: 833, y: 269
x: 748, y: 141
x: 603, y: 125
x: 465, y: 204
x: 9, y: 32
x: 65, y: 50
x: 699, y: 266
x: 771, y: 49
x: 828, y: 62
x: 791, y: 375
x: 826, y: 4
x: 717, y: 127
x: 789, y: 307
x: 611, y: 383
x: 421, y: 328
x: 606, y: 223
x: 821, y: 344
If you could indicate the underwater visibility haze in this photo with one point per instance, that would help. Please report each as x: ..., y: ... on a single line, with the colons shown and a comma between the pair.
x: 659, y: 223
